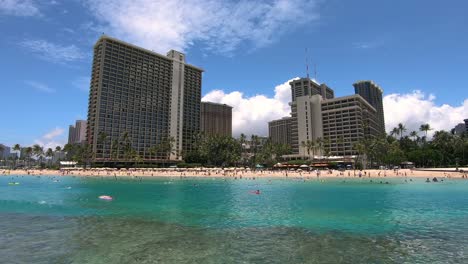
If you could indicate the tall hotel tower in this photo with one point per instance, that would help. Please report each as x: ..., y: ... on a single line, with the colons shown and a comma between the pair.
x: 141, y: 98
x: 373, y: 94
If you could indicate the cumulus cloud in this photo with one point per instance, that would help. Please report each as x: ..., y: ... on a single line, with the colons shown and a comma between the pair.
x: 19, y: 8
x: 53, y: 52
x: 416, y: 108
x: 51, y: 139
x: 40, y: 86
x: 222, y: 26
x: 250, y: 115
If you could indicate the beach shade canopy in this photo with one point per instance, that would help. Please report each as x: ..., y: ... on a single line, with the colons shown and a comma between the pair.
x: 303, y: 166
x: 258, y: 166
x: 68, y: 163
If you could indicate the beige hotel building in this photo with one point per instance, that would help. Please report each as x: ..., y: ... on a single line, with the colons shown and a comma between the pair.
x: 316, y: 114
x: 148, y: 96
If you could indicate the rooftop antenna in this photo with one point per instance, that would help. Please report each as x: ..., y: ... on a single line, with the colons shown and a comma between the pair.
x: 307, y: 62
x: 315, y: 71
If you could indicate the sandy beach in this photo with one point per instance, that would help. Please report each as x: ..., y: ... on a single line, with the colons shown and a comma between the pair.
x: 244, y: 173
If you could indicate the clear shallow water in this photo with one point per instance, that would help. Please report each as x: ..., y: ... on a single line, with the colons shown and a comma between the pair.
x: 172, y: 220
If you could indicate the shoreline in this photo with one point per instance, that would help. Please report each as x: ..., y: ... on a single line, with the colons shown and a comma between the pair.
x: 240, y: 173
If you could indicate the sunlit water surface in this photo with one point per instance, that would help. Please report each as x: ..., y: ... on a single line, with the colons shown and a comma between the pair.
x: 174, y: 220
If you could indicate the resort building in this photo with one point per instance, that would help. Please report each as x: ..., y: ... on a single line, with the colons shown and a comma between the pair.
x: 77, y: 133
x: 216, y: 119
x: 460, y: 128
x: 346, y: 121
x: 4, y: 152
x: 279, y: 131
x: 141, y: 99
x: 372, y: 93
x: 331, y: 125
x: 307, y: 86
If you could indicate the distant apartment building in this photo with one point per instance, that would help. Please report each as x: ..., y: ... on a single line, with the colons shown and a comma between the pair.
x: 143, y: 98
x: 279, y: 131
x: 4, y: 152
x: 335, y: 125
x: 460, y: 128
x: 372, y: 93
x: 216, y: 119
x: 77, y: 132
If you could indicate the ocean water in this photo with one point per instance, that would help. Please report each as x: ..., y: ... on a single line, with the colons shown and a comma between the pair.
x: 174, y: 220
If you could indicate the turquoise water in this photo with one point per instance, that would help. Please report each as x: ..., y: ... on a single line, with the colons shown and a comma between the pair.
x: 174, y: 220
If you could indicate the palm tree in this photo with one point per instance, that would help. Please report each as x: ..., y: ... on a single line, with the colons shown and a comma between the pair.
x: 242, y: 141
x: 311, y: 146
x: 327, y: 147
x: 102, y: 137
x: 114, y: 149
x: 17, y: 147
x: 126, y: 144
x: 413, y: 134
x: 38, y: 152
x: 320, y: 145
x: 340, y: 142
x: 28, y: 153
x: 401, y: 129
x: 2, y: 148
x: 167, y: 146
x: 304, y: 146
x: 425, y: 128
x: 255, y: 142
x: 394, y: 132
x: 57, y: 149
x: 49, y: 153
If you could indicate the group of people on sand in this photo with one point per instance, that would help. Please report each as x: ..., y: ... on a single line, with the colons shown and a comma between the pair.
x: 237, y: 173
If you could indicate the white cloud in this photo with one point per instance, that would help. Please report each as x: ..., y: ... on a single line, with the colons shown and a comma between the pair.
x: 54, y: 133
x: 250, y: 115
x: 19, y: 8
x: 416, y: 108
x: 40, y: 86
x: 52, y: 139
x: 222, y: 26
x: 53, y: 52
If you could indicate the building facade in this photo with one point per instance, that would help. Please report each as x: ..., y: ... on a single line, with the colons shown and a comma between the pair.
x: 460, y: 128
x: 372, y: 93
x: 346, y: 121
x: 143, y: 99
x: 4, y: 152
x: 77, y: 132
x: 334, y: 125
x: 323, y: 124
x: 216, y: 119
x: 307, y: 86
x: 279, y: 131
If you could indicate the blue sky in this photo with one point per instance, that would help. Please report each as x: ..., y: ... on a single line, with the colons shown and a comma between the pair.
x: 417, y: 51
